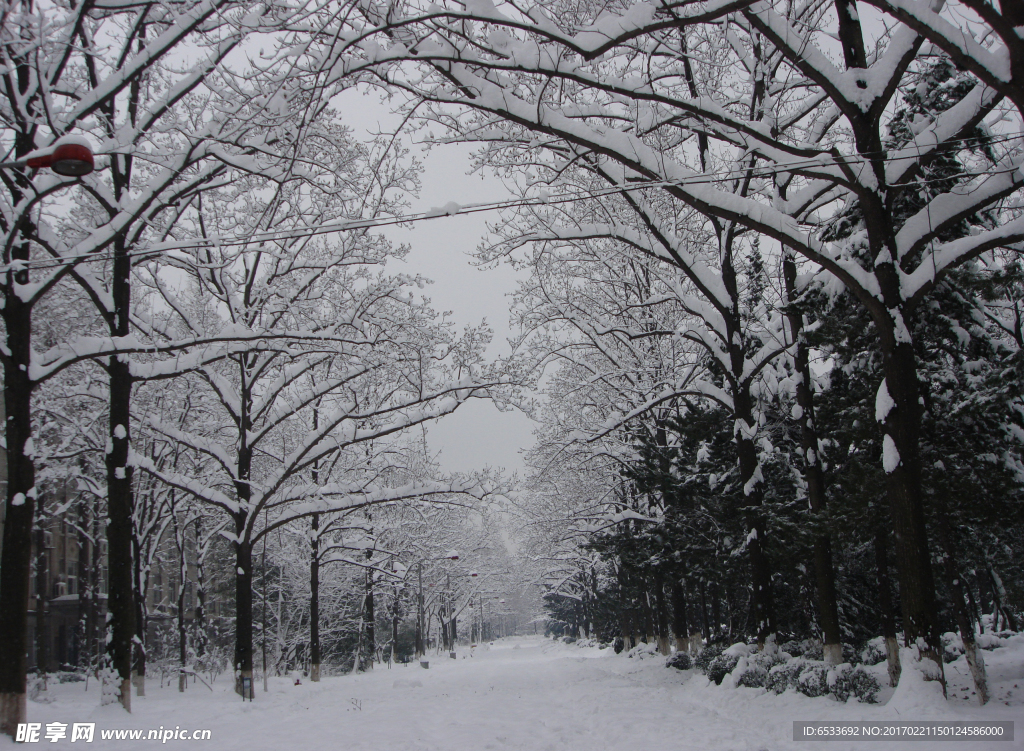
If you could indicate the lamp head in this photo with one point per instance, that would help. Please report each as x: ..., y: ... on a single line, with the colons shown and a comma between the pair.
x: 72, y: 160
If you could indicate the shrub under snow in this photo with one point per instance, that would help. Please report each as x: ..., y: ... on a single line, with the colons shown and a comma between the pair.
x: 777, y: 671
x: 874, y: 651
x: 752, y: 670
x: 642, y: 650
x: 706, y: 656
x: 814, y: 678
x: 679, y: 661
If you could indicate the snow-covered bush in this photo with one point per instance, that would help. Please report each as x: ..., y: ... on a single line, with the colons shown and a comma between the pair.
x: 846, y: 680
x: 814, y: 678
x: 706, y: 656
x: 812, y: 649
x: 752, y: 670
x: 808, y: 648
x: 874, y: 651
x: 952, y: 646
x: 36, y: 686
x: 721, y: 666
x: 641, y: 651
x: 988, y: 641
x: 784, y: 675
x: 679, y: 661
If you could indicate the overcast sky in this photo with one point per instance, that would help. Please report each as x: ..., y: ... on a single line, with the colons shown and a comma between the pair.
x: 477, y: 434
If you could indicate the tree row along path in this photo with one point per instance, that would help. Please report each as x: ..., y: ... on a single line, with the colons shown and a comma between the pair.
x: 523, y: 693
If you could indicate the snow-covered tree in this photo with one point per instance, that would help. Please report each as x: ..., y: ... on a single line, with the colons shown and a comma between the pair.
x: 605, y: 82
x: 104, y: 71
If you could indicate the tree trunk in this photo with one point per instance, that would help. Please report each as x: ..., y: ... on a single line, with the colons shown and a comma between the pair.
x: 120, y: 505
x: 913, y: 560
x: 19, y: 509
x: 745, y: 424
x: 243, y: 659
x: 954, y: 580
x: 711, y: 632
x: 623, y: 610
x: 420, y: 636
x: 902, y: 424
x: 243, y: 612
x: 371, y: 631
x: 892, y: 647
x: 679, y: 626
x: 661, y: 612
x: 999, y: 596
x: 199, y: 622
x: 824, y: 571
x: 140, y: 583
x: 314, y: 575
x: 625, y: 629
x: 760, y: 571
x: 182, y: 641
x: 179, y: 541
x: 42, y: 567
x: 89, y: 552
x: 975, y: 614
x: 120, y: 593
x: 394, y: 633
x: 647, y: 614
x: 93, y: 625
x: 314, y: 601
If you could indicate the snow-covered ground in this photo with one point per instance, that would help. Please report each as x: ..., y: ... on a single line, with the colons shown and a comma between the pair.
x: 527, y: 694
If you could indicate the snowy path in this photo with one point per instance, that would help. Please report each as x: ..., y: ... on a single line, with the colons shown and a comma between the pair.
x: 525, y: 694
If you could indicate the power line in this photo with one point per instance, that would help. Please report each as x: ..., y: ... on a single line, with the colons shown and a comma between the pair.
x: 453, y: 209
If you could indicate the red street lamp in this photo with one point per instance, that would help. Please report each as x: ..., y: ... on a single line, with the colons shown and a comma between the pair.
x: 70, y: 156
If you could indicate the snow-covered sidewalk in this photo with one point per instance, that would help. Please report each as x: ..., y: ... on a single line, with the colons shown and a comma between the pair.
x: 526, y: 694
